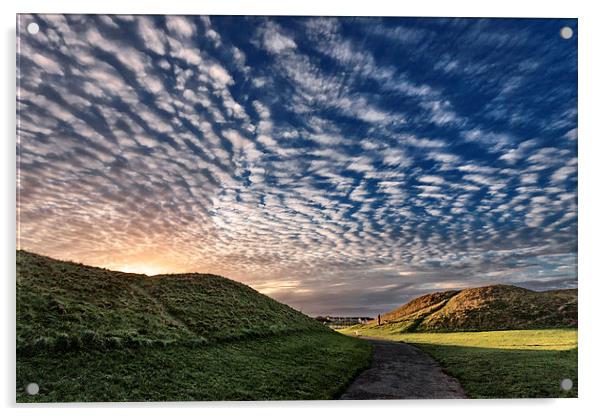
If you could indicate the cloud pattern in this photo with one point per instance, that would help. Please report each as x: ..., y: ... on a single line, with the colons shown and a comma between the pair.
x: 341, y: 165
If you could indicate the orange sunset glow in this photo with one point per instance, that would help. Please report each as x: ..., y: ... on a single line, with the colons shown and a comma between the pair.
x: 338, y: 165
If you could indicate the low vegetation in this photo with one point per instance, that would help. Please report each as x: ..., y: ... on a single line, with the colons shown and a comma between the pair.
x: 67, y: 305
x: 464, y: 332
x: 499, y: 364
x: 90, y: 334
x: 300, y: 366
x: 488, y: 308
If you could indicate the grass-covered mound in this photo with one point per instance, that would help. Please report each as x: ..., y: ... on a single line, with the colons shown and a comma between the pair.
x: 489, y: 308
x: 90, y: 334
x: 499, y: 341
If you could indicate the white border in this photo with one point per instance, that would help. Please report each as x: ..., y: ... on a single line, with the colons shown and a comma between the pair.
x: 590, y: 209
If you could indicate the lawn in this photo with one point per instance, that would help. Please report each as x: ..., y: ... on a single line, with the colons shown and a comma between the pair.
x: 301, y: 366
x: 499, y: 364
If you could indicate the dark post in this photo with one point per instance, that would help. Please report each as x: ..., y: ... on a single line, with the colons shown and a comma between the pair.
x: 379, y: 319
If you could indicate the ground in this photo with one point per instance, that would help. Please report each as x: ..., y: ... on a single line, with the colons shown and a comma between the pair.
x: 499, y: 364
x: 401, y: 371
x: 311, y: 366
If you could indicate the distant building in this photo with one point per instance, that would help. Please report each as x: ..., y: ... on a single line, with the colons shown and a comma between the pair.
x: 343, y: 321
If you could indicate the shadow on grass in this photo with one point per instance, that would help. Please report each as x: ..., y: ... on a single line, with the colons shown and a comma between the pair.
x: 507, y: 373
x: 302, y: 366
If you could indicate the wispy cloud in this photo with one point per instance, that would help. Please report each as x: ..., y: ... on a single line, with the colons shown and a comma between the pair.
x: 341, y: 165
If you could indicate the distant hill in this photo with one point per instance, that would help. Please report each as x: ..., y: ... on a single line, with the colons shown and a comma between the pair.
x: 494, y: 307
x: 66, y: 305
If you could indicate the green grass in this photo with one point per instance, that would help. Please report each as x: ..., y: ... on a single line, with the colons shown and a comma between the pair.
x: 305, y: 366
x: 63, y: 305
x: 488, y: 308
x: 90, y: 334
x: 497, y: 364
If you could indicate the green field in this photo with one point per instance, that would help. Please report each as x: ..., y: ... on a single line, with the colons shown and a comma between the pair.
x: 90, y: 334
x: 311, y: 366
x: 497, y: 364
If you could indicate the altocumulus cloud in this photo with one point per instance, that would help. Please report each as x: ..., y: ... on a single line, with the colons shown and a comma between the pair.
x: 341, y: 165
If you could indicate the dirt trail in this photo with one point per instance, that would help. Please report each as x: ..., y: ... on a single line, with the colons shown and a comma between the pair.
x: 401, y: 371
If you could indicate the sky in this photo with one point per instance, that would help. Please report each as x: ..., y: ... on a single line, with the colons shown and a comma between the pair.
x: 340, y: 165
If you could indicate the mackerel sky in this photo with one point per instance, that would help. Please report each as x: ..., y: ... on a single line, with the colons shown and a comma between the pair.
x: 340, y: 165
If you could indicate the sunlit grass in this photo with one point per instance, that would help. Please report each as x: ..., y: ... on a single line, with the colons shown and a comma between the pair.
x: 537, y: 339
x: 498, y: 364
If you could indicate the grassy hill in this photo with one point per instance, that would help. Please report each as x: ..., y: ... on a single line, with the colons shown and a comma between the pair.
x: 496, y: 307
x: 499, y: 341
x: 207, y: 337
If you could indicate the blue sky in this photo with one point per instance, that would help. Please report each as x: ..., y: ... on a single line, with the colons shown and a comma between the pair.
x: 340, y: 165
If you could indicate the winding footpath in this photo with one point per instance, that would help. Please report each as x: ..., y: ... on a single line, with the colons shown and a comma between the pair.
x: 401, y: 371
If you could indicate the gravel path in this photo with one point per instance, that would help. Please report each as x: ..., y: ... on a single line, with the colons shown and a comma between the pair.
x: 401, y: 371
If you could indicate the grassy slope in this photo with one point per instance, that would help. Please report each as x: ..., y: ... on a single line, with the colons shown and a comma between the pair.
x: 524, y: 362
x: 498, y: 364
x: 304, y: 366
x: 85, y: 333
x: 58, y: 299
x: 494, y: 307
